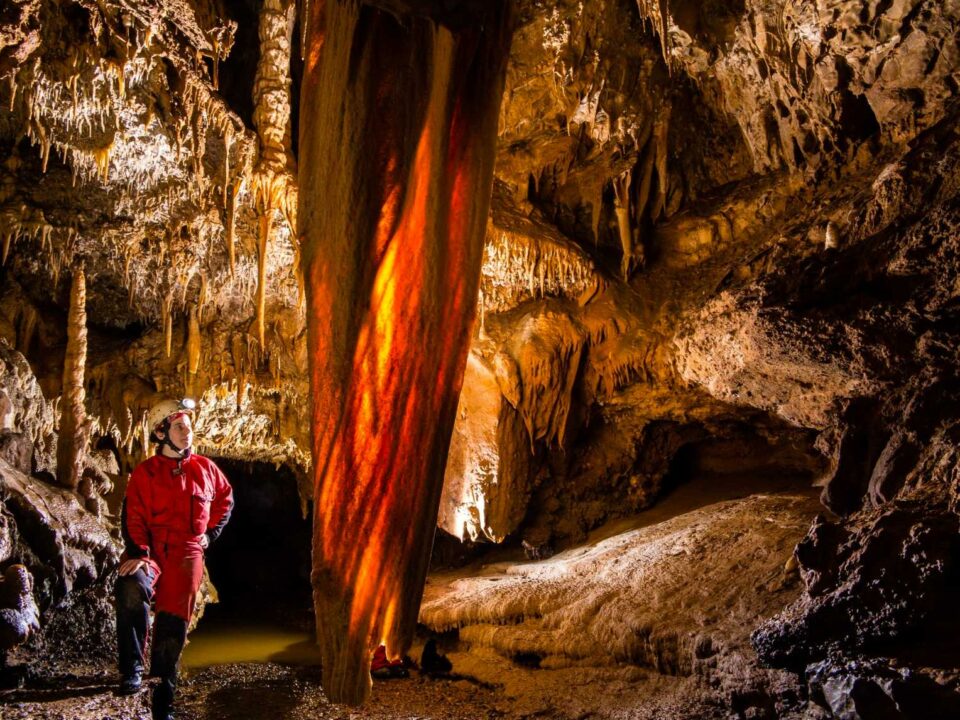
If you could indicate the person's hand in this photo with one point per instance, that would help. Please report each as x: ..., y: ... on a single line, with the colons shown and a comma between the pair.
x: 129, y: 567
x: 204, y: 541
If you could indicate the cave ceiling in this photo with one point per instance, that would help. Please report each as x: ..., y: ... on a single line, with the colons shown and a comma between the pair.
x: 659, y: 167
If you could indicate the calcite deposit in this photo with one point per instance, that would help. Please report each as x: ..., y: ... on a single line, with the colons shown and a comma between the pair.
x: 714, y: 245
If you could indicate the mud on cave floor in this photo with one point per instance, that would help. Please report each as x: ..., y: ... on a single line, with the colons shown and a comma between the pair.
x: 220, y: 683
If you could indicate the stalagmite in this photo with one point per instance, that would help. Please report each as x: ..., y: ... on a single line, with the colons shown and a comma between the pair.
x: 398, y: 135
x: 73, y: 425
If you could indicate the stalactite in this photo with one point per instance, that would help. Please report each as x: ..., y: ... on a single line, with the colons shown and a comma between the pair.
x: 166, y: 319
x: 660, y: 132
x: 193, y: 341
x: 45, y: 143
x: 144, y: 437
x: 101, y: 157
x: 73, y: 425
x: 275, y: 176
x: 239, y: 367
x: 198, y: 141
x: 398, y: 137
x: 227, y: 141
x: 263, y: 246
x: 55, y: 267
x: 621, y: 191
x: 215, y: 80
x: 183, y: 281
x: 657, y: 12
x: 26, y: 329
x: 230, y: 230
x: 646, y: 179
x: 831, y: 237
x: 202, y: 300
x: 298, y: 272
x: 274, y: 179
x: 274, y: 365
x: 596, y: 203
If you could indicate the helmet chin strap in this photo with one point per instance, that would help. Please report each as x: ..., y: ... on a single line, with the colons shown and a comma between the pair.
x: 183, y: 453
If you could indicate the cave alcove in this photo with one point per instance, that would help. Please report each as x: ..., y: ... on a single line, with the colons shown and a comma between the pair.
x: 260, y: 565
x: 726, y: 467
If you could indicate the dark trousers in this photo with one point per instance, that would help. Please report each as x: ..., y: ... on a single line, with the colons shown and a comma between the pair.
x: 133, y: 595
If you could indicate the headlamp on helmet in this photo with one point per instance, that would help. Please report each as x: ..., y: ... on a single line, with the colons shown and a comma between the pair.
x: 162, y: 414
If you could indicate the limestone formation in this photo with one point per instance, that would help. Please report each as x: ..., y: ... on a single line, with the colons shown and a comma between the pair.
x: 626, y: 599
x: 73, y: 416
x: 392, y: 254
x: 706, y: 243
x: 19, y: 617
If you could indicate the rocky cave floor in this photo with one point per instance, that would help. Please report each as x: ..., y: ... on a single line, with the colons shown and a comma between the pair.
x: 272, y: 690
x: 688, y: 549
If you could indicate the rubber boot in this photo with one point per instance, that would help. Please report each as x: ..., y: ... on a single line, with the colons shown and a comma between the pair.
x: 169, y: 637
x: 132, y: 595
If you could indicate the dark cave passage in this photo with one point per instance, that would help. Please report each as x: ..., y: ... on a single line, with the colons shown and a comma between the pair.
x: 260, y: 567
x: 716, y: 470
x: 733, y: 466
x: 722, y: 468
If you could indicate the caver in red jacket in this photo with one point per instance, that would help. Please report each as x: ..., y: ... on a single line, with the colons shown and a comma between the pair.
x: 170, y: 505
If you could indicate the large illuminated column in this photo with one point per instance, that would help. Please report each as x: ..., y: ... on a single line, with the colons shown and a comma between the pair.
x: 397, y: 137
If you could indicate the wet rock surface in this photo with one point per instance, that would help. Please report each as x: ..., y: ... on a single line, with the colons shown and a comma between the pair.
x: 27, y: 438
x: 631, y: 598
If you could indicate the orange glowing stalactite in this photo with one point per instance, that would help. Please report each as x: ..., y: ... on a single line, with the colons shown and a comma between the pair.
x: 395, y: 184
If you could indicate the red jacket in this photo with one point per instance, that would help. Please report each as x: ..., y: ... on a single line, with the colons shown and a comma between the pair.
x: 163, y: 505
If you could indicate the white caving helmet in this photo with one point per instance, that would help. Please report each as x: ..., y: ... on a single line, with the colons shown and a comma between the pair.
x: 159, y: 416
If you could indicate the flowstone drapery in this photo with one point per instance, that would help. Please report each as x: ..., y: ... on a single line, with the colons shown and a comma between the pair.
x: 396, y: 164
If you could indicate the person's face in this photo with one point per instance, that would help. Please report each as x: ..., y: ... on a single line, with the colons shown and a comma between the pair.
x: 181, y: 432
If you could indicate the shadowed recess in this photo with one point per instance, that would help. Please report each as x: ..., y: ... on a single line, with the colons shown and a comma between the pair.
x: 397, y: 141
